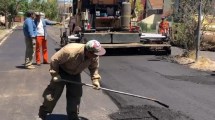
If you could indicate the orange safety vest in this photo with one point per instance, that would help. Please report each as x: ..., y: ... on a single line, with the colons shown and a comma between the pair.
x: 164, y: 27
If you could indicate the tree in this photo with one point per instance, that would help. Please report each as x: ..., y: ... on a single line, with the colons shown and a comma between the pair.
x: 138, y: 7
x: 185, y: 15
x: 4, y: 7
x: 50, y: 8
x: 10, y: 9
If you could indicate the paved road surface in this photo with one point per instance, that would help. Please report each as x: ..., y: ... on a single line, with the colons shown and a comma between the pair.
x: 188, y: 92
x: 21, y: 89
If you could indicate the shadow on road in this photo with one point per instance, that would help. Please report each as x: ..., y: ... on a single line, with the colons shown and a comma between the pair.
x: 213, y: 74
x: 153, y: 116
x: 132, y: 51
x: 61, y: 117
x: 21, y: 67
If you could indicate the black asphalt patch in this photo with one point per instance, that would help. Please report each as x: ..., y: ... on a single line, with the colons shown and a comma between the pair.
x: 147, y: 112
x: 207, y: 80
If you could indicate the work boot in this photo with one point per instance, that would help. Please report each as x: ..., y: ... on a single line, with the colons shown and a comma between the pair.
x: 46, y: 62
x: 42, y: 114
x: 38, y: 118
x: 38, y: 64
x: 73, y: 117
x: 29, y: 67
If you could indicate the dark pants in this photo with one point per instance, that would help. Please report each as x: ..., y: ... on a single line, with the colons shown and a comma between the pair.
x: 55, y: 89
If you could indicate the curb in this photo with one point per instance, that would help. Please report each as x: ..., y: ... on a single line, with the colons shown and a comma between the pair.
x: 7, y: 33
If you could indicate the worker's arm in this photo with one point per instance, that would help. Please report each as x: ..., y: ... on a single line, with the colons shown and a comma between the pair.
x: 48, y: 22
x: 58, y: 58
x: 95, y: 77
x: 30, y: 25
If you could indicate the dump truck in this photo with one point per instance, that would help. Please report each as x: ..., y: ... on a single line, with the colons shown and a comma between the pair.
x: 110, y: 22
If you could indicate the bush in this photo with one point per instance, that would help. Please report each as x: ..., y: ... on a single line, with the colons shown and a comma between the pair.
x: 147, y: 28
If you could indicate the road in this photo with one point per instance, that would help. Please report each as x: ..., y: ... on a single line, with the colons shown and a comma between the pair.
x: 21, y: 89
x: 189, y: 93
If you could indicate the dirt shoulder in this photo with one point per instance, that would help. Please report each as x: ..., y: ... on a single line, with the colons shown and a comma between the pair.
x: 205, y: 62
x: 5, y: 32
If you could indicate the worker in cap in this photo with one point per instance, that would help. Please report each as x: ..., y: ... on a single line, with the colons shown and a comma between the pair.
x: 163, y: 26
x: 67, y: 64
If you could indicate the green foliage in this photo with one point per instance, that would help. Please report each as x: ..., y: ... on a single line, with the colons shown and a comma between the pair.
x: 49, y: 8
x: 184, y: 32
x: 147, y: 28
x: 138, y: 6
x: 12, y: 7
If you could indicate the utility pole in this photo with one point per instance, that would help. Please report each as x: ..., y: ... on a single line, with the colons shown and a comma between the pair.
x: 64, y: 15
x: 199, y: 29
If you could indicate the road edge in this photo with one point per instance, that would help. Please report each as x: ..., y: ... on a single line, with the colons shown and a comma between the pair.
x: 6, y: 34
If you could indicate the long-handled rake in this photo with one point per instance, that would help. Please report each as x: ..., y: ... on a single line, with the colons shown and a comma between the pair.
x: 120, y: 92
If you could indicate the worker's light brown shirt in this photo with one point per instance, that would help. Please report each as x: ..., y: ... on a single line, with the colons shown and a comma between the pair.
x: 72, y: 60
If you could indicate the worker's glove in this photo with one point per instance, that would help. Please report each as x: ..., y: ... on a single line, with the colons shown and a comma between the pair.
x: 56, y: 78
x: 96, y: 84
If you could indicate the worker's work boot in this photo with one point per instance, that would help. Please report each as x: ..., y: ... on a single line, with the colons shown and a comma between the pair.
x: 42, y: 114
x: 73, y: 116
x: 42, y: 117
x: 29, y: 67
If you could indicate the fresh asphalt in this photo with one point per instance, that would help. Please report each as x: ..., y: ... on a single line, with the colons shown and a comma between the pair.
x: 21, y: 89
x: 189, y: 93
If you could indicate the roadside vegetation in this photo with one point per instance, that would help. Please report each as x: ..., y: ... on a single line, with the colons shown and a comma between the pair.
x: 11, y: 8
x: 185, y: 31
x: 185, y: 26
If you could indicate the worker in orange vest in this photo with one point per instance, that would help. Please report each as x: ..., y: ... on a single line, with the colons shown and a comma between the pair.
x: 163, y: 27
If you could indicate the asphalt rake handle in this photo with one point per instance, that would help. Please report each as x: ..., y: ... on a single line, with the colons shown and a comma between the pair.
x: 120, y: 92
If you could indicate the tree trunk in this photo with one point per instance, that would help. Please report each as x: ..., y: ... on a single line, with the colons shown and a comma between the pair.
x: 6, y: 20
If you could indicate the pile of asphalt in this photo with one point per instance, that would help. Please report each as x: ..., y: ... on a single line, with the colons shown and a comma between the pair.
x: 147, y: 112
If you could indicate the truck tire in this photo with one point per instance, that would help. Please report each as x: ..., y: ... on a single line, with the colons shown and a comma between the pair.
x: 167, y: 50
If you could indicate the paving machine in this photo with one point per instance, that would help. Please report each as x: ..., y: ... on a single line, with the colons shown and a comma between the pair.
x: 110, y: 22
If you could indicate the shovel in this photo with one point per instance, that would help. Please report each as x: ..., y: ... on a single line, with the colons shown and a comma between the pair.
x: 119, y: 92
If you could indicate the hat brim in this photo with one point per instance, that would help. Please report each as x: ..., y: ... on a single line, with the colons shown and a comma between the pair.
x: 101, y: 52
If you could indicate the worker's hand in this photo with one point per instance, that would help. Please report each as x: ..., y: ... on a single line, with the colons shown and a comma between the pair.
x: 58, y: 23
x: 56, y: 78
x: 96, y: 84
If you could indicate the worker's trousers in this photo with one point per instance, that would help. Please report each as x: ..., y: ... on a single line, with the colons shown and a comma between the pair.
x: 30, y: 50
x: 41, y: 43
x: 73, y: 95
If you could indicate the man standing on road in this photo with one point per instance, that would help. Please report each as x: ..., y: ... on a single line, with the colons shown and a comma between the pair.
x: 71, y: 24
x: 68, y: 63
x: 41, y: 40
x: 163, y: 27
x: 29, y: 29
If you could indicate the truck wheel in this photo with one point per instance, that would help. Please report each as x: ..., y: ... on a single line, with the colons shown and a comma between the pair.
x: 167, y: 50
x: 63, y: 42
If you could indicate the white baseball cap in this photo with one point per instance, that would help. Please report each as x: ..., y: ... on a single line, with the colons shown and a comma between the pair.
x: 95, y: 47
